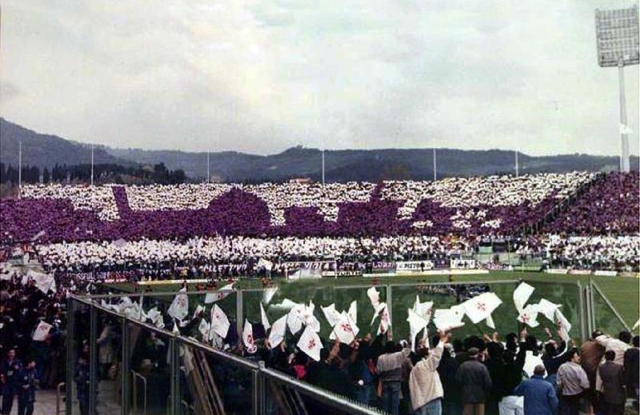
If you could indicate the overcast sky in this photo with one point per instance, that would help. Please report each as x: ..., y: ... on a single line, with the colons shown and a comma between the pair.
x: 261, y: 76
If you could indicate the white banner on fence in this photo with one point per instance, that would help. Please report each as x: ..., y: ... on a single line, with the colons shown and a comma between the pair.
x: 556, y: 271
x: 413, y: 266
x: 462, y: 263
x: 605, y: 273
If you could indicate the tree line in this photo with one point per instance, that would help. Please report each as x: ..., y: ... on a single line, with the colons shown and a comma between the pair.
x: 102, y: 174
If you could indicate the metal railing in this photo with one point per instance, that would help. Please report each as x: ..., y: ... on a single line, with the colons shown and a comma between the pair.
x: 135, y: 376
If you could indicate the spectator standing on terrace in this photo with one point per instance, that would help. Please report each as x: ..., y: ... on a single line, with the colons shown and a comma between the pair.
x: 424, y: 382
x: 10, y: 373
x: 27, y: 389
x: 540, y: 397
x: 572, y: 382
x: 476, y: 383
x: 632, y: 370
x: 390, y: 368
x: 613, y: 394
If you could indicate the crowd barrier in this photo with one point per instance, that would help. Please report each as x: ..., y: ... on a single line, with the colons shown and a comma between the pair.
x: 155, y: 371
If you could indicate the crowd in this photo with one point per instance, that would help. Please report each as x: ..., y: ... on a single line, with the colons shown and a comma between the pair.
x: 460, y: 206
x: 241, y: 254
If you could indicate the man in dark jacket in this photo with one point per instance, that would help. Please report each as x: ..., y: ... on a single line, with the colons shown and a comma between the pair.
x: 613, y: 394
x: 27, y: 391
x: 632, y: 369
x: 476, y: 384
x: 539, y: 395
x: 10, y: 373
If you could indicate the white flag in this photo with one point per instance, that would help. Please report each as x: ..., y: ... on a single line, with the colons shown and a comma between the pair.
x: 563, y: 325
x: 548, y: 309
x: 41, y: 332
x: 294, y: 318
x: 374, y: 296
x: 278, y: 329
x: 179, y: 308
x: 263, y: 317
x: 353, y: 311
x: 310, y: 344
x: 205, y: 329
x: 221, y: 294
x: 153, y: 315
x: 263, y: 263
x: 346, y: 330
x: 416, y: 323
x: 199, y: 309
x: 247, y: 337
x: 529, y: 315
x: 448, y: 318
x: 521, y: 295
x: 43, y: 282
x: 219, y: 321
x: 331, y: 314
x: 382, y: 311
x: 489, y: 322
x: 268, y: 294
x: 480, y: 307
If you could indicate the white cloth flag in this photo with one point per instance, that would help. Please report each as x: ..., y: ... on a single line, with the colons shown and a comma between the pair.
x: 268, y: 294
x: 294, y: 318
x: 353, y: 311
x: 41, y: 332
x: 199, y: 309
x: 563, y: 325
x: 221, y: 294
x: 268, y: 265
x: 416, y: 323
x: 205, y: 329
x: 247, y: 337
x: 374, y: 296
x: 44, y: 282
x: 383, y: 312
x: 263, y: 317
x: 153, y: 315
x: 179, y: 308
x: 331, y: 314
x: 489, y: 322
x: 448, y: 318
x: 346, y: 330
x: 548, y: 309
x: 480, y: 307
x: 521, y: 295
x: 529, y: 315
x: 310, y: 344
x: 219, y: 322
x: 278, y: 329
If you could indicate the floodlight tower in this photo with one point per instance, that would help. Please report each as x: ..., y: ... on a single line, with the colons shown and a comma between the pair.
x: 618, y: 41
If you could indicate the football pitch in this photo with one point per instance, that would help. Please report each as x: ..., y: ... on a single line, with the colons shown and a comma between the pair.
x: 622, y: 294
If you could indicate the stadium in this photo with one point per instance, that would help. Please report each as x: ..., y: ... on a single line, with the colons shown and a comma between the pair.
x: 361, y: 270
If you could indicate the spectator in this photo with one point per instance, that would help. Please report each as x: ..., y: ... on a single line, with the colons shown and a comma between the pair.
x: 613, y: 394
x: 572, y: 383
x: 10, y: 371
x: 27, y: 391
x: 390, y: 367
x: 476, y: 383
x: 424, y: 382
x: 540, y: 397
x: 632, y: 370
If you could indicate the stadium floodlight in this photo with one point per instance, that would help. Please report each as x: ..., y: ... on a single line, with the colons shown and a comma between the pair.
x: 618, y: 42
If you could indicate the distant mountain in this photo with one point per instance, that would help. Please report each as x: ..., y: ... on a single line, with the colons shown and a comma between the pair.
x: 45, y: 150
x: 340, y: 165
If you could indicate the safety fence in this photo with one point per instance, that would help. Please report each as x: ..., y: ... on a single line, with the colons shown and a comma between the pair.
x: 121, y: 365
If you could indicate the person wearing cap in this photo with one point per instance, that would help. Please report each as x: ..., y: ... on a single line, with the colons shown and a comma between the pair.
x: 476, y: 383
x: 424, y: 381
x: 540, y: 397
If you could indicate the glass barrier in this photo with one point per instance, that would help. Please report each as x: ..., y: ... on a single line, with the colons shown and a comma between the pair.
x: 109, y: 362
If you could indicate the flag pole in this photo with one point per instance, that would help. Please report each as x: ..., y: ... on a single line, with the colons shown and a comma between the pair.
x: 91, y: 164
x: 19, y: 168
x: 435, y: 175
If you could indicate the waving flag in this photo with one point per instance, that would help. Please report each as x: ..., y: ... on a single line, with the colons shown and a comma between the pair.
x: 382, y: 311
x: 449, y: 318
x: 331, y: 314
x: 221, y: 294
x: 416, y: 323
x: 521, y: 295
x: 548, y: 309
x: 247, y: 337
x: 310, y: 344
x: 374, y: 296
x: 219, y: 322
x: 41, y: 332
x: 294, y: 318
x: 43, y: 282
x: 205, y: 329
x: 179, y: 308
x: 353, y: 311
x: 529, y: 315
x: 346, y: 330
x: 278, y: 330
x: 263, y: 317
x: 563, y: 325
x: 480, y: 307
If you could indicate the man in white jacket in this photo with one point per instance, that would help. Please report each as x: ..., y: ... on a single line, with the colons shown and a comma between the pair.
x: 424, y: 381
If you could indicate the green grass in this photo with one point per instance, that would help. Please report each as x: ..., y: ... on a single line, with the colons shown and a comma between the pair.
x: 623, y: 293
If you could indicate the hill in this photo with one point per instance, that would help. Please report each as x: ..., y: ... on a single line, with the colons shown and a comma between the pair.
x: 340, y: 165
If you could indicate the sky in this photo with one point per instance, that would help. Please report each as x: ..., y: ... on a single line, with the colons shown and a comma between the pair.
x: 262, y: 76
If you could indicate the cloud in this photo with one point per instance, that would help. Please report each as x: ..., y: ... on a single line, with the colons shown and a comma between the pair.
x: 261, y: 76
